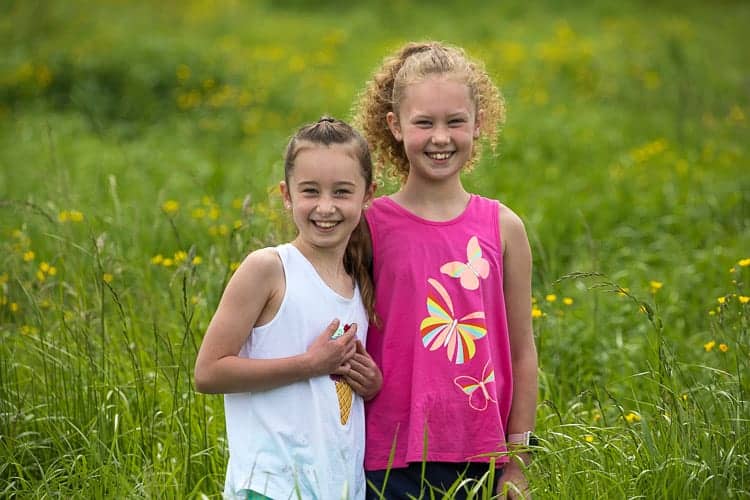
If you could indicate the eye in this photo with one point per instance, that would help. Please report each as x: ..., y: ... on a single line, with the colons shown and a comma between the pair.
x: 457, y: 122
x: 309, y: 191
x: 341, y: 193
x: 423, y: 123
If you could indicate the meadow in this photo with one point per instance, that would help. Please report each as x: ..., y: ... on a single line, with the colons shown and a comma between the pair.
x: 140, y: 152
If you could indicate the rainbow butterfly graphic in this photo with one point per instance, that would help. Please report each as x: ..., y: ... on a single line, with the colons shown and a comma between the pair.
x: 479, y: 391
x: 442, y: 329
x: 469, y: 273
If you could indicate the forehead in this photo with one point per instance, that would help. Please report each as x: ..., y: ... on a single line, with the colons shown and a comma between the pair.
x: 436, y: 94
x: 321, y: 163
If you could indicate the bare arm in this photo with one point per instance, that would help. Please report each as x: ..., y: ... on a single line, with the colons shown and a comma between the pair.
x: 252, y: 297
x: 517, y: 291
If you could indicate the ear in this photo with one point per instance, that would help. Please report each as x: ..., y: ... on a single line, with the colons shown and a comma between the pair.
x: 369, y: 194
x: 285, y: 194
x: 478, y: 124
x: 394, y: 125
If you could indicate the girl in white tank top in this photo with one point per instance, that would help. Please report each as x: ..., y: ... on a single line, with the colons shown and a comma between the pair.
x: 285, y: 345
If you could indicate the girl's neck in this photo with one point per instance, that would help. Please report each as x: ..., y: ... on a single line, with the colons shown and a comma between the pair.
x: 329, y: 264
x: 437, y: 202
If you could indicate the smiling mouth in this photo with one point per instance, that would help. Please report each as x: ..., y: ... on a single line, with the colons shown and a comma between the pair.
x: 325, y: 224
x: 441, y: 155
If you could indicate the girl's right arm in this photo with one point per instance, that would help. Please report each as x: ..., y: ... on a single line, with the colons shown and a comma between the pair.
x: 254, y: 292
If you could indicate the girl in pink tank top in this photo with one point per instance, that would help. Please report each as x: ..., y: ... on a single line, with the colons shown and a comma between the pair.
x: 452, y: 273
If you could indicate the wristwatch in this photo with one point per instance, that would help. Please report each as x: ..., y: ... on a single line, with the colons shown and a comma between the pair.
x: 523, y: 438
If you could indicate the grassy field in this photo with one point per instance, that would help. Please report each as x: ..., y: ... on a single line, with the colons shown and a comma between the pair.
x: 140, y: 147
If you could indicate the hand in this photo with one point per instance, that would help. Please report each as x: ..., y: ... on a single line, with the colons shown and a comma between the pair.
x: 515, y: 480
x: 363, y: 376
x: 328, y: 356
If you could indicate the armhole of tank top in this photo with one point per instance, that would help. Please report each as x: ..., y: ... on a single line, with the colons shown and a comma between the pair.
x: 276, y: 313
x: 498, y: 229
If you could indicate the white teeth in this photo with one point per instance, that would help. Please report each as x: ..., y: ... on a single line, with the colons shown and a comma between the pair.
x: 325, y: 225
x: 439, y: 156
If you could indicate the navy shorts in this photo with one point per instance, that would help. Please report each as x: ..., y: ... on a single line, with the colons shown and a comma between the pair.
x: 409, y: 482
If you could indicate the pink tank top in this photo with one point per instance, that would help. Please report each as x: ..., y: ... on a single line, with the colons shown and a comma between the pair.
x: 443, y: 339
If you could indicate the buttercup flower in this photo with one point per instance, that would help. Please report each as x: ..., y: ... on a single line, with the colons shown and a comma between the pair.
x: 655, y: 286
x: 28, y: 256
x: 170, y: 206
x: 632, y: 417
x: 550, y: 297
x: 107, y: 277
x: 723, y: 347
x: 536, y: 312
x: 568, y: 301
x: 744, y: 262
x: 744, y: 299
x: 708, y: 346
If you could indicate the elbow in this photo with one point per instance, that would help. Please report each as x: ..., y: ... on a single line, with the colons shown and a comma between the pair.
x: 202, y: 381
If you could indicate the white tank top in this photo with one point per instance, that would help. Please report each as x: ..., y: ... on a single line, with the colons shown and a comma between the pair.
x: 290, y: 442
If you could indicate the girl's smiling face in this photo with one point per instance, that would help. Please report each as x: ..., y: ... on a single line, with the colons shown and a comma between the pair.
x: 326, y: 192
x: 437, y: 122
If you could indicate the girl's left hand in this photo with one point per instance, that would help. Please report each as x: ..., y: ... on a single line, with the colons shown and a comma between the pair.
x: 364, y: 376
x: 513, y: 474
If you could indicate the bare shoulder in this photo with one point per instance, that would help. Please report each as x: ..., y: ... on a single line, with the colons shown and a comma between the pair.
x: 260, y: 271
x: 512, y: 229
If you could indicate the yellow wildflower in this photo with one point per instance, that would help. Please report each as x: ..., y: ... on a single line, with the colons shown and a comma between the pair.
x: 721, y: 300
x: 107, y: 277
x: 744, y: 262
x: 233, y: 266
x: 157, y: 259
x: 14, y: 307
x: 28, y: 256
x: 568, y: 301
x: 237, y: 203
x: 27, y: 330
x: 550, y: 297
x: 45, y: 304
x: 597, y: 416
x: 197, y: 260
x: 723, y: 347
x: 167, y: 262
x: 655, y: 286
x: 237, y: 224
x: 63, y: 216
x: 712, y: 313
x: 52, y: 270
x: 684, y: 397
x: 588, y: 438
x: 744, y: 299
x: 180, y: 256
x: 43, y: 267
x: 708, y: 346
x: 170, y: 206
x: 76, y: 216
x: 214, y: 212
x: 632, y: 417
x: 40, y: 276
x: 536, y: 312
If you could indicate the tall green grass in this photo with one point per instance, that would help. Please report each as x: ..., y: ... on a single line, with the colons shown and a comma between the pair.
x: 140, y: 149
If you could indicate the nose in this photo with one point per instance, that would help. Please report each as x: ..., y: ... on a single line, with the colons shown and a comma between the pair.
x: 326, y: 205
x: 440, y: 136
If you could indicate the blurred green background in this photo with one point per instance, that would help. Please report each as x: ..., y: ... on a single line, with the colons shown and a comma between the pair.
x: 140, y: 148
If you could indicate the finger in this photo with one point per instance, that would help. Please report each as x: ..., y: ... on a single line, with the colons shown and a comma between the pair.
x: 361, y: 348
x: 331, y: 328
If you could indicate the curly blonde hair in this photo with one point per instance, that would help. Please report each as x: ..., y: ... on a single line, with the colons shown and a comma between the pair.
x: 412, y: 63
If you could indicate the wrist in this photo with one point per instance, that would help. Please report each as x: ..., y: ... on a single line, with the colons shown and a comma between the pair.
x: 520, y: 439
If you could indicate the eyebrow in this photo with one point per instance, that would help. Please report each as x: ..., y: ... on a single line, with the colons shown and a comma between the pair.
x: 337, y: 183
